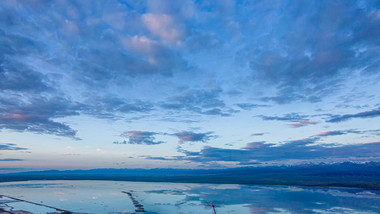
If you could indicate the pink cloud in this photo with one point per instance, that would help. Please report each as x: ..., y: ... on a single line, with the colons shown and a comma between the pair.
x: 302, y: 123
x: 324, y: 133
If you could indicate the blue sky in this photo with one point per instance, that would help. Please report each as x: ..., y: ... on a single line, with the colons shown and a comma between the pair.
x: 188, y: 84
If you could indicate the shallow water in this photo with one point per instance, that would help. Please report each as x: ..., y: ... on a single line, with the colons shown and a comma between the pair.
x: 107, y: 197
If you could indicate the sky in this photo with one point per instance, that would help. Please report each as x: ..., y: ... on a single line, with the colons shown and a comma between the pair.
x: 188, y: 84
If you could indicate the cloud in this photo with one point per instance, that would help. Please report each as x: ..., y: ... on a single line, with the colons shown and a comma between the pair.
x: 207, y: 102
x: 29, y: 101
x: 258, y: 134
x: 303, y: 150
x: 111, y: 65
x: 10, y: 146
x: 160, y: 58
x: 318, y: 136
x: 11, y: 159
x: 343, y: 132
x: 250, y: 106
x: 110, y: 107
x: 187, y: 136
x: 91, y: 51
x: 302, y: 123
x: 161, y: 158
x: 15, y: 76
x: 344, y: 117
x: 65, y: 61
x: 140, y: 137
x: 330, y: 133
x: 147, y: 138
x: 37, y: 114
x: 292, y: 117
x: 95, y: 34
x: 318, y: 55
x: 141, y: 44
x: 120, y: 142
x: 23, y: 108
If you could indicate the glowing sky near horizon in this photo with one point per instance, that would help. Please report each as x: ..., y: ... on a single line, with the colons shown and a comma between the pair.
x: 187, y: 84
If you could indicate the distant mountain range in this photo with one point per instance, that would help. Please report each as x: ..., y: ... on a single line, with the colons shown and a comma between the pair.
x: 347, y: 174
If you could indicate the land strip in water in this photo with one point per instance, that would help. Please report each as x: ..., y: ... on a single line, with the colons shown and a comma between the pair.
x: 138, y: 207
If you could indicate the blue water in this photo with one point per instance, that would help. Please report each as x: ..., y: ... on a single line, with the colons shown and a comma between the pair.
x: 107, y: 197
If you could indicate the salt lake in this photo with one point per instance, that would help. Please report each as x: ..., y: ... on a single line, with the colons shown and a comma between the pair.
x: 113, y: 197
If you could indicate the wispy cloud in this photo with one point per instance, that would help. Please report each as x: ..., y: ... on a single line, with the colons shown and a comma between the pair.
x: 364, y: 114
x: 207, y: 102
x: 292, y: 117
x: 329, y: 133
x: 162, y: 158
x: 11, y: 146
x: 112, y: 107
x: 148, y: 138
x: 11, y: 159
x: 250, y: 106
x: 258, y: 134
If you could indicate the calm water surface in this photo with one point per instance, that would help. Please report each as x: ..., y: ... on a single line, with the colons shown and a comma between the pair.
x: 107, y: 197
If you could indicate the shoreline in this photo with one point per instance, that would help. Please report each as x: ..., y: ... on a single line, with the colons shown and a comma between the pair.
x: 376, y: 188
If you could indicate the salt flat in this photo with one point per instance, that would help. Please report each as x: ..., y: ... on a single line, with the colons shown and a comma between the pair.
x: 110, y: 197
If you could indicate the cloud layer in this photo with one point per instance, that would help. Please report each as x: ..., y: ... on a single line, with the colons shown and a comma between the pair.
x: 277, y: 69
x: 259, y: 152
x: 117, y: 46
